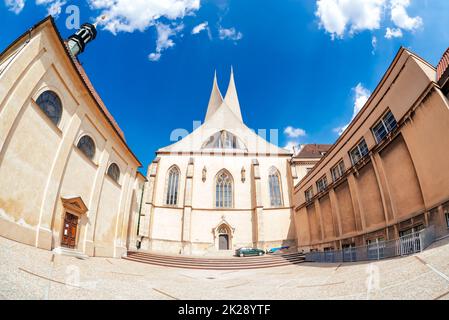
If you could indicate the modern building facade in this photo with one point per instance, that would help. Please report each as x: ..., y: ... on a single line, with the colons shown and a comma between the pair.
x: 68, y: 180
x: 220, y: 188
x: 388, y: 173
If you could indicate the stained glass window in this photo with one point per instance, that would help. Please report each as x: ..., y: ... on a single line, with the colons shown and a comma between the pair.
x: 51, y: 105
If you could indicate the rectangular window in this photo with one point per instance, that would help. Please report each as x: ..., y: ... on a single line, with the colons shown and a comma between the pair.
x: 321, y: 184
x: 447, y: 219
x: 309, y: 194
x: 385, y: 126
x: 338, y: 170
x: 360, y: 151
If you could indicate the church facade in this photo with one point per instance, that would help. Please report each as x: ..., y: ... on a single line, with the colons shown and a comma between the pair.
x: 220, y: 188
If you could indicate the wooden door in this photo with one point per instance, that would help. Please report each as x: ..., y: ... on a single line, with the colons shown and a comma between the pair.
x: 69, y: 231
x: 223, y: 242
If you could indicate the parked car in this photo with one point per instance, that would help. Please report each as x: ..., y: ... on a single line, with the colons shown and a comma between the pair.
x: 273, y: 250
x: 243, y: 252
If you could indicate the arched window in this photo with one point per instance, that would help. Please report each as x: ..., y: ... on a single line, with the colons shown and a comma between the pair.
x: 51, y: 105
x: 223, y: 190
x: 87, y: 146
x: 172, y: 187
x: 224, y: 140
x: 274, y: 183
x: 114, y: 172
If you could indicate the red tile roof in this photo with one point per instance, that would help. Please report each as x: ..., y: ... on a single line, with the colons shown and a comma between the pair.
x: 310, y: 151
x: 443, y: 66
x: 97, y: 97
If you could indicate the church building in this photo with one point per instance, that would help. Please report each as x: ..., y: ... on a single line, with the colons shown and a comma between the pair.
x: 218, y: 189
x: 68, y: 179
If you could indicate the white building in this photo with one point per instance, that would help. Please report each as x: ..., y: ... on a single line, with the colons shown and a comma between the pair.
x: 220, y: 188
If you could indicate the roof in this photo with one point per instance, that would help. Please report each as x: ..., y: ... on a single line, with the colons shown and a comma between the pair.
x: 82, y: 75
x: 443, y: 68
x: 311, y: 151
x: 97, y: 97
x: 224, y: 115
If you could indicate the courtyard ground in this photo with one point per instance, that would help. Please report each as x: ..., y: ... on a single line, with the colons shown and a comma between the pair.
x: 30, y: 273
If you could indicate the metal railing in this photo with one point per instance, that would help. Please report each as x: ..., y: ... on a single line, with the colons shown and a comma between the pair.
x: 406, y: 245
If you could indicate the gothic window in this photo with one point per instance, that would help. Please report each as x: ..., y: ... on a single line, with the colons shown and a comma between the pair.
x: 223, y: 140
x: 87, y: 146
x: 274, y: 182
x: 114, y: 172
x: 51, y: 105
x: 172, y: 187
x: 223, y: 190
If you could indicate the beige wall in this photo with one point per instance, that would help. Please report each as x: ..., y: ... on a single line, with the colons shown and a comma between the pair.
x: 404, y: 178
x: 39, y: 161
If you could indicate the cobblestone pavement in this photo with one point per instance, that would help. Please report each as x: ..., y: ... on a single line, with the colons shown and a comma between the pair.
x: 30, y: 273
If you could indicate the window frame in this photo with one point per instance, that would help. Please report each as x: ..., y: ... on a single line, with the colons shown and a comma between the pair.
x: 275, y: 173
x: 321, y: 187
x: 341, y: 170
x: 171, y: 195
x: 109, y: 174
x: 223, y: 194
x: 387, y: 127
x: 57, y: 99
x: 308, y: 194
x: 359, y: 149
x: 91, y: 158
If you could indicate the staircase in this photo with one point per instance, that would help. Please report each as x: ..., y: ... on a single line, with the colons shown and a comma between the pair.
x: 232, y: 263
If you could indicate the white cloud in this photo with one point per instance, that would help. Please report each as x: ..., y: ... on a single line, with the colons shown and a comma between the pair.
x: 293, y: 142
x: 132, y: 15
x: 339, y: 16
x: 401, y: 18
x: 294, y: 132
x: 202, y: 26
x: 164, y: 41
x: 293, y: 146
x: 361, y: 96
x: 374, y: 44
x: 54, y: 7
x: 15, y: 6
x: 393, y: 33
x: 229, y: 34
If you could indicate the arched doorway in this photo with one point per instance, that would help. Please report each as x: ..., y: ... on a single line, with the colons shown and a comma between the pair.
x: 223, y: 234
x: 223, y: 238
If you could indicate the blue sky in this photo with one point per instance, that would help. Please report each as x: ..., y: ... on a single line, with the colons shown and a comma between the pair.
x: 304, y: 65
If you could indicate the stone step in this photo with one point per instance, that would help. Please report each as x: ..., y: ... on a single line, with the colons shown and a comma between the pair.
x: 209, y: 261
x: 196, y: 258
x: 215, y: 267
x: 232, y: 263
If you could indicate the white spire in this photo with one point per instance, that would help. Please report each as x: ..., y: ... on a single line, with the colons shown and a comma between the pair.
x: 216, y: 99
x: 231, y: 98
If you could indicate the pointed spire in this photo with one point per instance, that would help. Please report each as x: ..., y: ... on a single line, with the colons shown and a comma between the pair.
x: 231, y: 98
x: 215, y: 100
